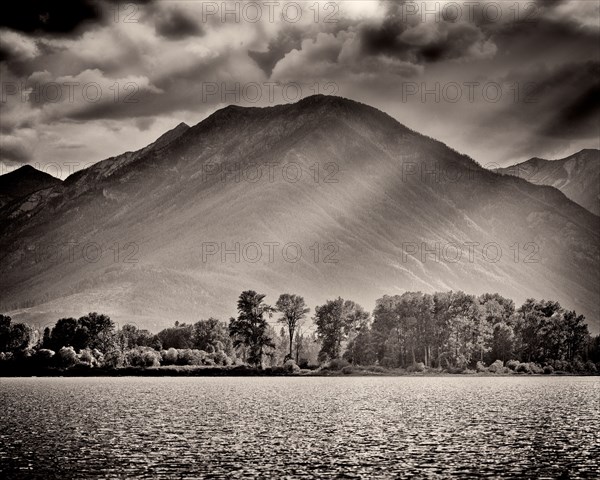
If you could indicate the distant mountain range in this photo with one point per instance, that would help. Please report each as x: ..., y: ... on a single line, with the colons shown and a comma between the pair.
x: 577, y: 176
x: 323, y: 197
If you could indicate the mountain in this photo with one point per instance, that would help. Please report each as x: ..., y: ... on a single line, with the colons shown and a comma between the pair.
x: 577, y: 176
x: 23, y: 182
x: 323, y: 197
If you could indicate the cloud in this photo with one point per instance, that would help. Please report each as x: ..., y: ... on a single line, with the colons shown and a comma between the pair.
x: 18, y: 146
x: 338, y: 58
x: 52, y: 17
x: 17, y: 47
x: 166, y: 58
x: 287, y: 40
x: 176, y: 25
x: 416, y: 41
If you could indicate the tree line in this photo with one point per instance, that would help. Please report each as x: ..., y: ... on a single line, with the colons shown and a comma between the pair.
x: 444, y: 331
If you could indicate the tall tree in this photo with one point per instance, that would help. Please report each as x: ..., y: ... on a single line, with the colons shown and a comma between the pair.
x: 211, y: 334
x: 293, y: 310
x: 99, y: 329
x: 5, y: 321
x: 249, y: 329
x: 335, y: 320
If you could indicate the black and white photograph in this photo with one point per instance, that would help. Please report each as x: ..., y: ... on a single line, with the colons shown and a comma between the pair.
x: 312, y: 239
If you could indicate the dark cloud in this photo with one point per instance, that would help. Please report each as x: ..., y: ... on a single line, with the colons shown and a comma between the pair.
x: 144, y: 123
x: 577, y: 110
x: 422, y: 42
x: 60, y: 17
x: 15, y: 151
x: 175, y: 25
x: 285, y: 42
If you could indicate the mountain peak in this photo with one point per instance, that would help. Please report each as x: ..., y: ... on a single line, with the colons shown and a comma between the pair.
x: 24, y: 181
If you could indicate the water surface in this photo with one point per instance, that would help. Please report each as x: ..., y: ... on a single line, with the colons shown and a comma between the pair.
x: 360, y: 427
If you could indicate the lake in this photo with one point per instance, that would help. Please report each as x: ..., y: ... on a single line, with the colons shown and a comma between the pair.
x: 308, y: 427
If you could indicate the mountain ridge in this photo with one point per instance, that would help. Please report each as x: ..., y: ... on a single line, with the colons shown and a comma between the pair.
x: 577, y: 176
x: 365, y: 197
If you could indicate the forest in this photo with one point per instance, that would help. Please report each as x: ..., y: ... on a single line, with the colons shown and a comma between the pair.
x: 413, y: 333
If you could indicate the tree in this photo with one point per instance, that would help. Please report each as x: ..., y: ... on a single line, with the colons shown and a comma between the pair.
x: 575, y: 334
x: 179, y: 336
x: 4, y: 332
x: 335, y: 320
x: 63, y: 333
x: 293, y: 310
x: 95, y: 330
x: 503, y: 342
x: 249, y: 329
x: 361, y: 349
x: 20, y: 337
x: 211, y: 333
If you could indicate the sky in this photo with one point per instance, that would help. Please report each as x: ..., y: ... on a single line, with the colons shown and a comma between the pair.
x: 502, y: 81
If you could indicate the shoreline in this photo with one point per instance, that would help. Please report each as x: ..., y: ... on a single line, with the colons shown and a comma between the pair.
x: 243, y: 371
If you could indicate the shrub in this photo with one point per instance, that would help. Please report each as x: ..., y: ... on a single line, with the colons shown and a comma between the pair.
x: 455, y: 370
x: 44, y: 355
x: 170, y: 356
x: 578, y: 366
x: 513, y: 364
x: 523, y: 368
x: 143, y: 357
x: 303, y: 363
x: 290, y: 367
x: 548, y: 370
x: 417, y: 367
x: 6, y: 356
x: 68, y: 357
x: 535, y: 368
x: 348, y: 370
x: 85, y: 356
x: 114, y: 359
x: 496, y: 367
x: 480, y: 367
x: 221, y: 358
x: 590, y: 367
x: 337, y: 364
x: 377, y: 369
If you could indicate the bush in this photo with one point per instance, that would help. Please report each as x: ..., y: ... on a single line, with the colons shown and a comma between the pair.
x: 417, y: 367
x: 170, y: 356
x: 535, y: 368
x: 303, y: 363
x: 44, y: 355
x: 513, y: 364
x: 377, y: 369
x: 590, y: 367
x: 221, y: 358
x: 290, y: 367
x: 6, y: 356
x: 336, y: 364
x: 457, y: 370
x: 480, y: 367
x: 548, y: 370
x: 523, y: 368
x: 68, y: 357
x: 348, y: 370
x: 143, y: 357
x: 114, y: 359
x: 496, y: 367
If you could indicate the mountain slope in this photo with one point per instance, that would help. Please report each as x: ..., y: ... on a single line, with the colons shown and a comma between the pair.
x: 324, y: 197
x: 23, y: 182
x: 577, y: 176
